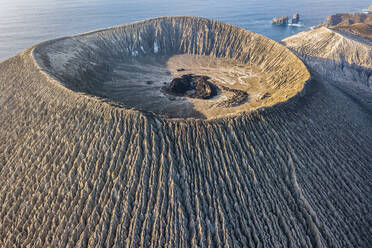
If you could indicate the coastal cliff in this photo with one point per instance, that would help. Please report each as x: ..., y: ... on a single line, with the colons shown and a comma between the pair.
x: 359, y: 24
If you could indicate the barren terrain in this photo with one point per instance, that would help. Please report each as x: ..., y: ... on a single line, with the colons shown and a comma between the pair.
x: 143, y: 78
x: 84, y: 164
x: 359, y: 24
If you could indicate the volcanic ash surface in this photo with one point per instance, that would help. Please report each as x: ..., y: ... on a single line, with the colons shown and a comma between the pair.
x: 182, y: 132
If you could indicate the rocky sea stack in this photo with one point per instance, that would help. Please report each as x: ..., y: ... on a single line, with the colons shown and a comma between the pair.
x: 284, y: 20
x: 96, y: 152
x: 281, y: 20
x: 296, y: 18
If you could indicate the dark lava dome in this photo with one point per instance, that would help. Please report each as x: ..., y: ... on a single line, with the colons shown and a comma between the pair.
x: 193, y: 86
x: 129, y: 65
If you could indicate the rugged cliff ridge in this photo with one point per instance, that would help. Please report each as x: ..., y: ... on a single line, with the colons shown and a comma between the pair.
x: 335, y: 55
x: 359, y: 24
x: 78, y: 172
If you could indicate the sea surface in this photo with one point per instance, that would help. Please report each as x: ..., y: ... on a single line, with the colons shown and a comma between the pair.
x: 26, y: 22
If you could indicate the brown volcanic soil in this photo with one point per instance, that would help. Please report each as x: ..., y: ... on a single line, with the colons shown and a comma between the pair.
x: 360, y: 29
x: 359, y: 24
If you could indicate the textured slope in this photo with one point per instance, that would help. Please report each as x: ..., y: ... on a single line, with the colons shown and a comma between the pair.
x: 79, y: 172
x: 336, y: 56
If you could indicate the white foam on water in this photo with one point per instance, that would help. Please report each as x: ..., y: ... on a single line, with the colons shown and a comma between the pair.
x: 295, y: 24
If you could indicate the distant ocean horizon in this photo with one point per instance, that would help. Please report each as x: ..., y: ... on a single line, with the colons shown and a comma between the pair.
x: 24, y: 23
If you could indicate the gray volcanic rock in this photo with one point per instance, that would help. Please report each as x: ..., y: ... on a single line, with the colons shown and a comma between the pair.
x: 79, y: 169
x: 280, y: 21
x: 296, y: 18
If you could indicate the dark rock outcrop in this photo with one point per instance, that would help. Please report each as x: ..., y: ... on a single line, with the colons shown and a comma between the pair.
x: 192, y: 86
x: 296, y: 18
x: 281, y: 20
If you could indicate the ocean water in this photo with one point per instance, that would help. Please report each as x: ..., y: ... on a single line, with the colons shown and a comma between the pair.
x: 26, y: 22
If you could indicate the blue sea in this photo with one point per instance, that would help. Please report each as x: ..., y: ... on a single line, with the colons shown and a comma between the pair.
x: 26, y: 22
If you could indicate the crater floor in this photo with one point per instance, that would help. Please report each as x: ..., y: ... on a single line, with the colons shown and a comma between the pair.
x: 138, y: 83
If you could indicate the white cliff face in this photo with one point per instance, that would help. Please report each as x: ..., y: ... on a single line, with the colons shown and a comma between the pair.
x: 334, y: 55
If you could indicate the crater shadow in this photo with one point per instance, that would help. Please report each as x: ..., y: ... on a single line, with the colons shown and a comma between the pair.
x: 138, y: 82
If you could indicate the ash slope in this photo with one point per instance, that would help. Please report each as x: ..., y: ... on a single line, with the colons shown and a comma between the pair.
x: 79, y: 172
x: 335, y: 55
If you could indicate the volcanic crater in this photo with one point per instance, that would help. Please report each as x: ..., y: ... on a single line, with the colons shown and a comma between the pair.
x: 137, y: 65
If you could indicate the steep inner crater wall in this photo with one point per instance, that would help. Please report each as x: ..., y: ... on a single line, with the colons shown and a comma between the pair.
x: 133, y: 66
